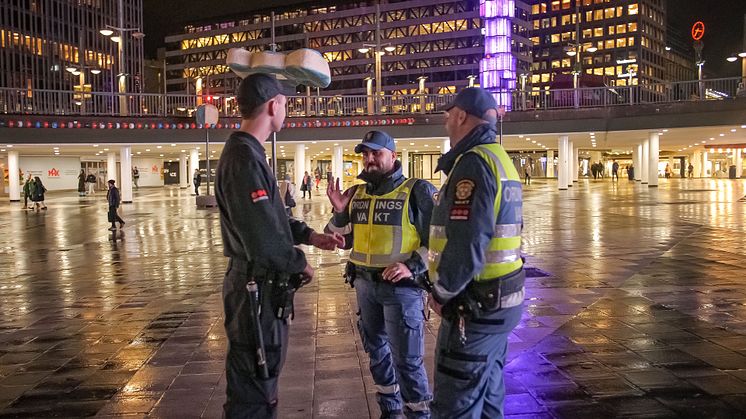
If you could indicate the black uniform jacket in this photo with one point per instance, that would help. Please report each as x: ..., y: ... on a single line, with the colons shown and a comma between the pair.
x: 252, y: 217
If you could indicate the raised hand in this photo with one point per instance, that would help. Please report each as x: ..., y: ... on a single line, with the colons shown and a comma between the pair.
x: 338, y: 199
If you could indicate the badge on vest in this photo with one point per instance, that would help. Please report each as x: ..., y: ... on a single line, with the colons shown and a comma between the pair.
x: 460, y: 213
x: 259, y: 195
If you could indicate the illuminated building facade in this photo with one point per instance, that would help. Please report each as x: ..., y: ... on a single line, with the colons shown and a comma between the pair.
x: 56, y: 44
x: 433, y: 45
x: 621, y: 42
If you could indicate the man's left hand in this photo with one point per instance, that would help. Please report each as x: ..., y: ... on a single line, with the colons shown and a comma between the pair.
x: 328, y: 241
x: 396, y: 272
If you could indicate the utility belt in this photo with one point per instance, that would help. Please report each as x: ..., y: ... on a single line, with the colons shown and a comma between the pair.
x: 354, y: 272
x: 484, y: 296
x: 280, y: 286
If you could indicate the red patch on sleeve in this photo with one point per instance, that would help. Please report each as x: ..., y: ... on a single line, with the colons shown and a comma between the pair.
x: 460, y: 213
x: 259, y: 195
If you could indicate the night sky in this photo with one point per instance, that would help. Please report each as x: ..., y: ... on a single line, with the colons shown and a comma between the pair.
x: 724, y: 20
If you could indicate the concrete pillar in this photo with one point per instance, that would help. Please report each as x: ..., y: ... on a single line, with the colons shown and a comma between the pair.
x: 111, y: 167
x: 300, y: 164
x: 183, y: 171
x: 705, y: 163
x: 338, y: 163
x: 654, y: 151
x: 645, y: 162
x: 445, y: 147
x: 575, y: 164
x: 739, y: 164
x: 562, y: 146
x: 569, y: 165
x: 125, y: 165
x: 405, y: 162
x: 550, y: 163
x: 638, y: 163
x: 193, y: 164
x: 309, y: 166
x: 14, y: 179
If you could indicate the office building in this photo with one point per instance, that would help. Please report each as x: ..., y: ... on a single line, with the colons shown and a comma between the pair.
x: 434, y: 46
x: 57, y: 45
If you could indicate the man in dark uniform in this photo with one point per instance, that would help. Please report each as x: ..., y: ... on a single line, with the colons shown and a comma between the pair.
x: 475, y: 262
x: 385, y: 223
x: 259, y: 239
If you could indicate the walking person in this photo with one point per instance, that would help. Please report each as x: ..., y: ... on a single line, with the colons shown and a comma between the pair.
x: 114, y: 199
x: 260, y: 241
x: 136, y: 177
x: 27, y: 186
x: 615, y: 171
x: 386, y: 223
x: 691, y: 170
x: 196, y: 181
x: 307, y: 185
x: 287, y: 195
x: 91, y: 181
x: 475, y: 261
x: 527, y: 170
x: 37, y: 193
x: 81, y: 183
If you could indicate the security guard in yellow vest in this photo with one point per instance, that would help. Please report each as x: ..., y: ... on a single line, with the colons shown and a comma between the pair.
x: 475, y: 262
x: 386, y: 223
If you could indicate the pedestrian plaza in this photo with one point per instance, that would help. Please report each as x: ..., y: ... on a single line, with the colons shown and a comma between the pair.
x: 635, y: 307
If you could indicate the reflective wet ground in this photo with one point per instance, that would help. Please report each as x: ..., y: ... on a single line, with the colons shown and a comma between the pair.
x: 642, y: 312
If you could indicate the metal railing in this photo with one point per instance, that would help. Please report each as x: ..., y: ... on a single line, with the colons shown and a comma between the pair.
x: 55, y: 102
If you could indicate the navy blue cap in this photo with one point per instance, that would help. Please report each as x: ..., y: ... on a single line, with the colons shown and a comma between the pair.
x: 475, y: 101
x: 376, y: 140
x: 256, y: 90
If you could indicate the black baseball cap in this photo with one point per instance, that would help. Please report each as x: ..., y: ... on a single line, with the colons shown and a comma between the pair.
x: 376, y: 140
x: 475, y: 101
x: 256, y: 90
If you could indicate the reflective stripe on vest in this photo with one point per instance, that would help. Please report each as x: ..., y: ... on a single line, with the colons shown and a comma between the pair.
x: 381, y: 229
x: 503, y: 253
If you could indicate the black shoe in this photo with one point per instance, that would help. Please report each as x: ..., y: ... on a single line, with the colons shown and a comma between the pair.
x: 112, y: 228
x: 121, y: 225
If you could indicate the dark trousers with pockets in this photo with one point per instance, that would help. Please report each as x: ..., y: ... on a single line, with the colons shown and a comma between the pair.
x: 469, y: 377
x: 248, y: 396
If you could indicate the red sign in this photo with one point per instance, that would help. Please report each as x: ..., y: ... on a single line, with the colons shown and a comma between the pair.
x: 53, y: 173
x: 698, y: 31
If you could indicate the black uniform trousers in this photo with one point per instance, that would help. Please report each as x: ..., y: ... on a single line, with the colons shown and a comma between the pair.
x: 114, y: 216
x: 249, y: 396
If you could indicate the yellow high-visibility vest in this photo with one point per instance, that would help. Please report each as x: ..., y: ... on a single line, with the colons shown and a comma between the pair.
x: 503, y: 255
x: 382, y: 231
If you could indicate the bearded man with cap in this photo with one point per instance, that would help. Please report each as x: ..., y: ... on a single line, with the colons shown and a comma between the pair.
x: 475, y: 262
x: 385, y: 222
x: 260, y: 241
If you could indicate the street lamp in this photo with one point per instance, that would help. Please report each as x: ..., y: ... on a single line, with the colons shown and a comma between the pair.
x: 108, y: 31
x: 379, y: 49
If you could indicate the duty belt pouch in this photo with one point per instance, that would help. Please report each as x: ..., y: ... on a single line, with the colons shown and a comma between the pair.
x: 488, y: 294
x: 282, y: 294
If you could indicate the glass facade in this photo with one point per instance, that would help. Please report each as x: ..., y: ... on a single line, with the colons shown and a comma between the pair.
x: 43, y: 41
x: 440, y: 40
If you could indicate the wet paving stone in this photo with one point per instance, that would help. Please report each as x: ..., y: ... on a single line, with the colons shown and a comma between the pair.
x: 634, y: 308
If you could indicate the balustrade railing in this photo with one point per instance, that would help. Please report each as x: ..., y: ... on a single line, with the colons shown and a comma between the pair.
x: 55, y: 102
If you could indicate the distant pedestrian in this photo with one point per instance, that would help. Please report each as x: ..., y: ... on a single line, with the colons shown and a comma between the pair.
x: 527, y: 171
x: 114, y: 199
x: 615, y: 171
x: 27, y: 191
x: 81, y: 183
x: 287, y: 195
x: 37, y: 194
x: 691, y: 170
x: 91, y: 181
x: 197, y: 180
x: 136, y: 177
x: 668, y: 172
x: 306, y: 185
x: 594, y: 170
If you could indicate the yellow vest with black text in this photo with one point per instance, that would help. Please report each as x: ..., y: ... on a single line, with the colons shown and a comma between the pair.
x: 382, y: 231
x: 503, y: 254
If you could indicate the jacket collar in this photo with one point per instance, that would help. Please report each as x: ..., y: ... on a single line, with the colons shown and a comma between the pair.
x: 481, y: 134
x: 252, y: 142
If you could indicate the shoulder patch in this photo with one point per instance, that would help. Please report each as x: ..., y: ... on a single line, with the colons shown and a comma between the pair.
x: 259, y: 195
x: 464, y: 189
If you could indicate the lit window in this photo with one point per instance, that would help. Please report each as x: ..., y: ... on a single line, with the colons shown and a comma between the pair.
x: 632, y: 9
